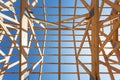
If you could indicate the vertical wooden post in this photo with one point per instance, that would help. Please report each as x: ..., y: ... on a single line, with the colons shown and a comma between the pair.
x: 23, y: 40
x: 95, y: 40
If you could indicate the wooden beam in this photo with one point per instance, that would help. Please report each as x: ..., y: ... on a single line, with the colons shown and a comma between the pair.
x: 73, y: 18
x: 85, y: 4
x: 95, y: 40
x: 117, y: 24
x: 113, y: 5
x: 113, y: 68
x: 59, y: 40
x: 23, y: 40
x: 8, y: 18
x: 31, y: 5
x: 74, y: 41
x: 115, y: 35
x: 44, y: 42
x: 107, y: 62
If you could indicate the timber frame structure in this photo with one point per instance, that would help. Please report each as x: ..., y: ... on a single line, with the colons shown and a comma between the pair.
x: 94, y: 33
